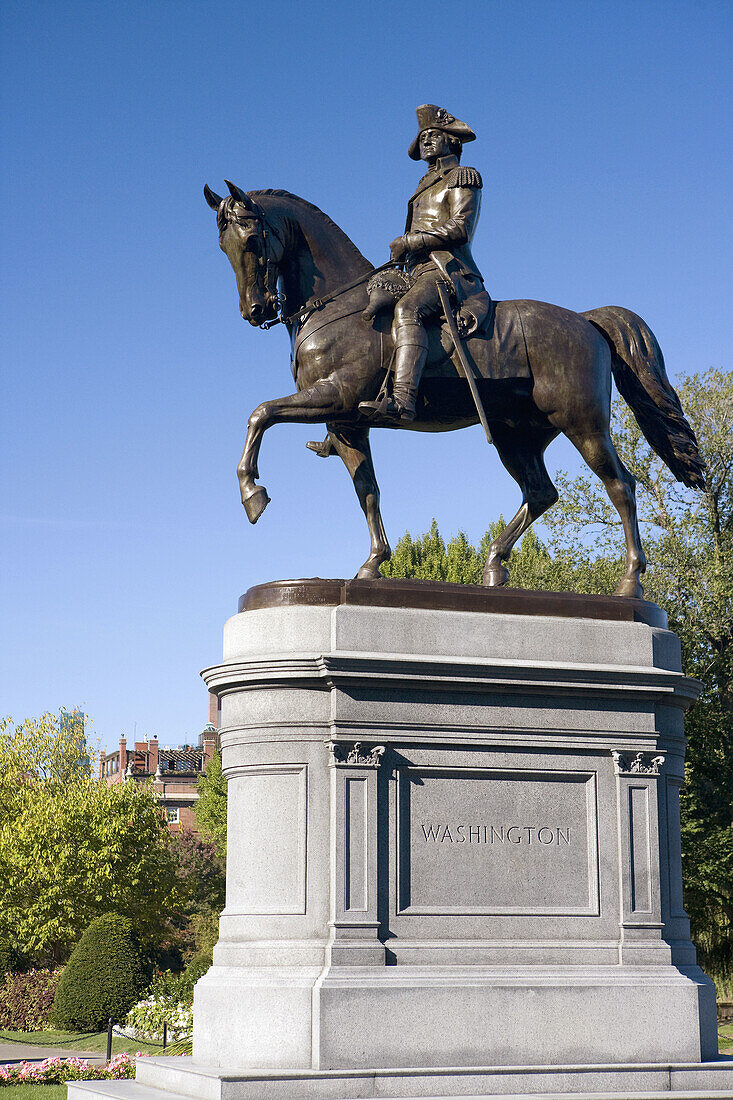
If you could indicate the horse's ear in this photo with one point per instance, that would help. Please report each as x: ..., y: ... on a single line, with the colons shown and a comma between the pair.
x: 238, y: 194
x: 212, y: 198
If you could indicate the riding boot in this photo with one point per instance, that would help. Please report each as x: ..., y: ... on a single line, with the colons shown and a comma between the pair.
x: 411, y: 351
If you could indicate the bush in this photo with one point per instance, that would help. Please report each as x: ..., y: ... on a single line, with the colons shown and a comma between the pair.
x: 169, y: 1000
x: 103, y: 977
x: 195, y: 969
x: 205, y: 927
x: 26, y: 1000
x: 147, y: 1018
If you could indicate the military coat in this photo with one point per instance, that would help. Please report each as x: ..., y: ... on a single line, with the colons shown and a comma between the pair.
x: 442, y: 215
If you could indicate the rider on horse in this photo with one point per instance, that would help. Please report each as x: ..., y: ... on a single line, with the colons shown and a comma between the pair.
x: 441, y: 221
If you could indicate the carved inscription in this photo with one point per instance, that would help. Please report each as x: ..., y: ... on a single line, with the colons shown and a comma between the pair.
x: 496, y: 841
x: 496, y: 834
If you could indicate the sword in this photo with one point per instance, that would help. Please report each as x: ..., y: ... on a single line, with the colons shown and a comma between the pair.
x: 460, y: 350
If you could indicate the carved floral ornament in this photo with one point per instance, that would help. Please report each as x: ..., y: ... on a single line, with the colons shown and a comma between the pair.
x: 640, y: 763
x: 355, y: 754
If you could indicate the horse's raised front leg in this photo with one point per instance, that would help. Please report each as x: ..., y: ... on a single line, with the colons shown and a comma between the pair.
x: 315, y: 405
x: 523, y: 457
x: 352, y: 446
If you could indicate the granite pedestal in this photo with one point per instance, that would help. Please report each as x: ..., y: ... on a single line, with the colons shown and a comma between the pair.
x: 454, y: 852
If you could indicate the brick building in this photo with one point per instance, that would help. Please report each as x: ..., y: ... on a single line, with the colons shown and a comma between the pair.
x: 175, y: 772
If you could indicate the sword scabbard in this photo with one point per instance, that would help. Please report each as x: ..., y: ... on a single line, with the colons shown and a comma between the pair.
x: 461, y: 353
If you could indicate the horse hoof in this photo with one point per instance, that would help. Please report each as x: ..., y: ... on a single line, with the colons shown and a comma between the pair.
x: 370, y: 569
x: 495, y: 576
x: 630, y: 588
x: 369, y: 573
x: 255, y: 503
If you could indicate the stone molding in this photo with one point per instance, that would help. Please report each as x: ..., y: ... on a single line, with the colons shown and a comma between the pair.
x: 334, y: 670
x: 640, y: 763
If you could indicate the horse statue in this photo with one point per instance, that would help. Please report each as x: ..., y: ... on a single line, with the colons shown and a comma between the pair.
x: 294, y: 265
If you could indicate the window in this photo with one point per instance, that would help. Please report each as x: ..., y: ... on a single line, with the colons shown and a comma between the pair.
x: 172, y: 815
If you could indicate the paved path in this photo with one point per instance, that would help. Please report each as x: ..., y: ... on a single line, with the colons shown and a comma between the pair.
x: 27, y: 1052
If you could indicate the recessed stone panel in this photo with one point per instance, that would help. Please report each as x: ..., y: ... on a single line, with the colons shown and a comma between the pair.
x: 497, y: 842
x: 267, y: 814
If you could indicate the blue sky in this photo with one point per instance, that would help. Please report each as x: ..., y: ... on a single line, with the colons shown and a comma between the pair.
x: 129, y: 373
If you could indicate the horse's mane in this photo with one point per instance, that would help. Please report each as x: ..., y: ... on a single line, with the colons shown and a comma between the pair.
x: 280, y: 194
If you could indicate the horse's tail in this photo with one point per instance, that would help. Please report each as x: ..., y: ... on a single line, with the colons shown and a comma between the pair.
x: 638, y: 370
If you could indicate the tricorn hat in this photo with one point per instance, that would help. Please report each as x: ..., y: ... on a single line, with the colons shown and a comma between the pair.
x: 430, y: 117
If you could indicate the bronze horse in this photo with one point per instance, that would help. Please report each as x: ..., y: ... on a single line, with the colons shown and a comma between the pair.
x: 292, y: 263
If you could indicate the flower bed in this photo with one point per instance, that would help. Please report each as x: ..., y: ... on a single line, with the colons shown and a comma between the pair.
x: 147, y: 1017
x: 55, y: 1071
x: 169, y: 1001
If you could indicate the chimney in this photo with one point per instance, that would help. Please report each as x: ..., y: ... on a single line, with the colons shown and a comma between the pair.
x: 153, y: 754
x: 213, y: 709
x: 102, y: 761
x: 123, y: 755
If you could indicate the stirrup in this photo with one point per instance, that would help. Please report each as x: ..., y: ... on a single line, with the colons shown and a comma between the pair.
x: 386, y: 408
x: 323, y: 450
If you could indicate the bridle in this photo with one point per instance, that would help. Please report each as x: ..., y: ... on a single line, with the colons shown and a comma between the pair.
x: 268, y: 266
x: 265, y: 257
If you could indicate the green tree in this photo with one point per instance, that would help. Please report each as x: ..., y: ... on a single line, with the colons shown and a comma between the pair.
x: 211, y: 808
x: 50, y: 748
x: 531, y: 565
x: 72, y: 848
x: 202, y: 876
x: 201, y: 872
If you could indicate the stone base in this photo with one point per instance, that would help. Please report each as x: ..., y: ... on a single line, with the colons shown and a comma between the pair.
x: 180, y: 1077
x: 454, y: 841
x: 417, y: 1017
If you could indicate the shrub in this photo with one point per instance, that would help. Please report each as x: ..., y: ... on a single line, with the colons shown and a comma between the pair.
x: 205, y: 928
x: 26, y: 1000
x: 103, y: 977
x: 147, y: 1017
x: 168, y: 1000
x: 195, y: 969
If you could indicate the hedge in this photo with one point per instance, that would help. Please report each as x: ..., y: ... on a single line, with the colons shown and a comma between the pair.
x: 102, y: 978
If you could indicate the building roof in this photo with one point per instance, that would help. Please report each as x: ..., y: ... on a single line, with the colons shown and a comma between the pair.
x: 185, y: 759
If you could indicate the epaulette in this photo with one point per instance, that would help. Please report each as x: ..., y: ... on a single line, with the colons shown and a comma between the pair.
x: 463, y: 177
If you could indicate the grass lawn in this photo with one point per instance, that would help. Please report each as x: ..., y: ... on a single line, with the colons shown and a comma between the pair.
x: 76, y: 1041
x: 725, y: 1038
x: 35, y: 1092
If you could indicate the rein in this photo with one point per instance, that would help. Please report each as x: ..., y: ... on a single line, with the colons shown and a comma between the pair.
x: 309, y: 308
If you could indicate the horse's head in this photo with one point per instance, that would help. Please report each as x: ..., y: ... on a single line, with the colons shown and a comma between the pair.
x: 254, y: 250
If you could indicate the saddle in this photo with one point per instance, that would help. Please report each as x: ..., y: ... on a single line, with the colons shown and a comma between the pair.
x: 496, y: 350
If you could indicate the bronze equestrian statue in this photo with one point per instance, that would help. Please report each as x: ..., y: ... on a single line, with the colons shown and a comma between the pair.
x: 529, y: 370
